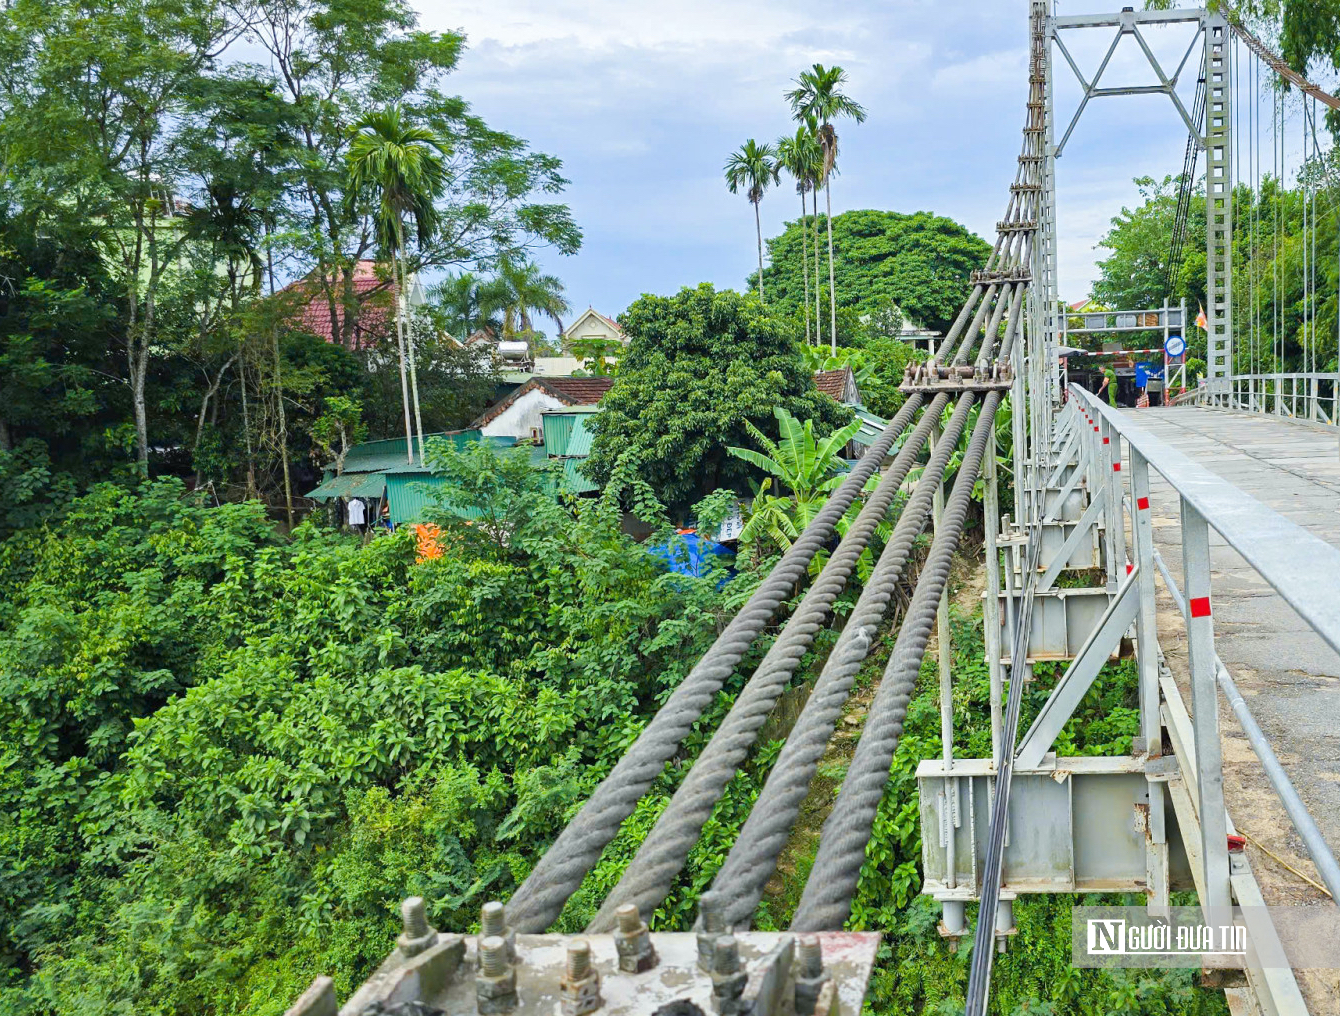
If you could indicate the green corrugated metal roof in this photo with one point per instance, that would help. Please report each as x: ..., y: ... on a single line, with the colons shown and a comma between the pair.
x: 350, y: 485
x: 557, y: 432
x: 872, y: 427
x: 573, y: 478
x: 579, y: 444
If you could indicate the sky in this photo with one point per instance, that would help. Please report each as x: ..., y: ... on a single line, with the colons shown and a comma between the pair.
x: 644, y: 101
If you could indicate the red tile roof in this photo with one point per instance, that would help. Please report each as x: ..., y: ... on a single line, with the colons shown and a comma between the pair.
x: 376, y: 298
x: 577, y: 391
x: 832, y: 383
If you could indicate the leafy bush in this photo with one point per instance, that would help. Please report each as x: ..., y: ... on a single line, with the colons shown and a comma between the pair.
x: 227, y: 757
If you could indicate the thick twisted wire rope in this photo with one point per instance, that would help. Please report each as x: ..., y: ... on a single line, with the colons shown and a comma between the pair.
x: 650, y: 876
x: 744, y: 874
x: 752, y: 860
x: 826, y: 901
x: 538, y: 901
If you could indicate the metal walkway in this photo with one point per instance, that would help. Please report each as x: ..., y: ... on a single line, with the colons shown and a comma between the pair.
x: 1290, y: 677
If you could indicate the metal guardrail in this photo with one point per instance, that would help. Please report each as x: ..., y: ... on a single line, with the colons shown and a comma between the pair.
x: 1294, y: 396
x: 1302, y: 568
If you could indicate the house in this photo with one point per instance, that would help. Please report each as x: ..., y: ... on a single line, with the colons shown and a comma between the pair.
x: 591, y: 324
x: 378, y: 471
x: 519, y: 415
x: 375, y: 293
x: 839, y: 385
x: 920, y: 338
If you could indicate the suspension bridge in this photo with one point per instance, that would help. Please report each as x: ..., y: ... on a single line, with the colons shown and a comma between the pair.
x: 1210, y: 535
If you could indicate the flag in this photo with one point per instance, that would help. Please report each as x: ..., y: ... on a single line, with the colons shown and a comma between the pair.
x: 1200, y: 318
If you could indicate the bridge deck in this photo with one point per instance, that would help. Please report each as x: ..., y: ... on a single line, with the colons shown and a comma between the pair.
x: 1289, y: 677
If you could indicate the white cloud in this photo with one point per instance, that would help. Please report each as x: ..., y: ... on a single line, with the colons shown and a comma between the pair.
x: 643, y: 101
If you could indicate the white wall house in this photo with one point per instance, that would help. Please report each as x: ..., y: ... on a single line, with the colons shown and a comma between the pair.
x: 591, y: 324
x: 519, y: 415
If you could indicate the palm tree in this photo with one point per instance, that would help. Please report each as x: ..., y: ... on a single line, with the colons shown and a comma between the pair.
x: 753, y: 167
x: 468, y: 303
x: 525, y: 291
x: 817, y: 95
x: 405, y: 167
x: 801, y: 157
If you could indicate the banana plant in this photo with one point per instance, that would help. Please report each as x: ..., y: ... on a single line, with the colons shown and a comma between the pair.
x: 805, y: 469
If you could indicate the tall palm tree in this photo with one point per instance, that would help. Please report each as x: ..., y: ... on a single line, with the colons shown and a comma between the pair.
x: 404, y: 167
x: 753, y: 167
x: 817, y: 94
x: 801, y: 157
x: 526, y: 291
x: 468, y: 303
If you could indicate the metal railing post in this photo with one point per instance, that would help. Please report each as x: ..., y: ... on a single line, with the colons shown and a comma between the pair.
x: 1147, y: 662
x: 1205, y: 711
x: 1116, y: 521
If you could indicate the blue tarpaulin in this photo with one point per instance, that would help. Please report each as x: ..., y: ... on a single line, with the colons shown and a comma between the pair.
x: 687, y: 553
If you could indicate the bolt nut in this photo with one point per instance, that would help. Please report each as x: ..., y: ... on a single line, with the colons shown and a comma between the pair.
x: 495, y: 984
x: 418, y: 935
x: 493, y: 923
x: 579, y: 988
x: 810, y: 976
x: 728, y: 980
x: 711, y: 923
x: 632, y: 941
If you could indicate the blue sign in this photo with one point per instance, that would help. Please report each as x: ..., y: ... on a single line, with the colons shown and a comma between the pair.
x: 1174, y: 346
x: 1143, y: 372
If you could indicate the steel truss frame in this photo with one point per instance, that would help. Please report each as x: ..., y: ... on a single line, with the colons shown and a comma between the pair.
x: 1213, y: 31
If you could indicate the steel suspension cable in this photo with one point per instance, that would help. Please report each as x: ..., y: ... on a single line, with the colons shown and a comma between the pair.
x: 752, y: 860
x: 649, y: 877
x: 540, y: 899
x: 826, y: 902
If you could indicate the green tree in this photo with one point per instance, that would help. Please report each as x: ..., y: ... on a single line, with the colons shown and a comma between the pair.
x: 918, y: 264
x: 96, y: 99
x: 337, y: 430
x: 699, y: 367
x: 801, y: 156
x: 753, y: 167
x: 463, y: 303
x: 404, y: 166
x: 818, y: 95
x: 524, y: 290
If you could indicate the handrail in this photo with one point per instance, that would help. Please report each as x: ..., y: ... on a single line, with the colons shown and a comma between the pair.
x: 1300, y: 567
x: 1302, y: 820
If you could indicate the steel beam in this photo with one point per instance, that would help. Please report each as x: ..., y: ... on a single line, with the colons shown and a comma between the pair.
x: 1080, y: 675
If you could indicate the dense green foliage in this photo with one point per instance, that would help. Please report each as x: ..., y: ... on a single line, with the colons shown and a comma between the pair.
x: 226, y: 757
x: 699, y: 367
x: 157, y: 193
x: 1269, y: 308
x: 917, y: 262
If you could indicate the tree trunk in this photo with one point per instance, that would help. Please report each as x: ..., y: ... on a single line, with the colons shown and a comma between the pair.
x: 402, y: 300
x: 210, y: 392
x: 139, y: 368
x: 758, y: 229
x: 805, y: 262
x: 832, y: 293
x: 818, y: 289
x: 283, y: 431
x: 404, y: 381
